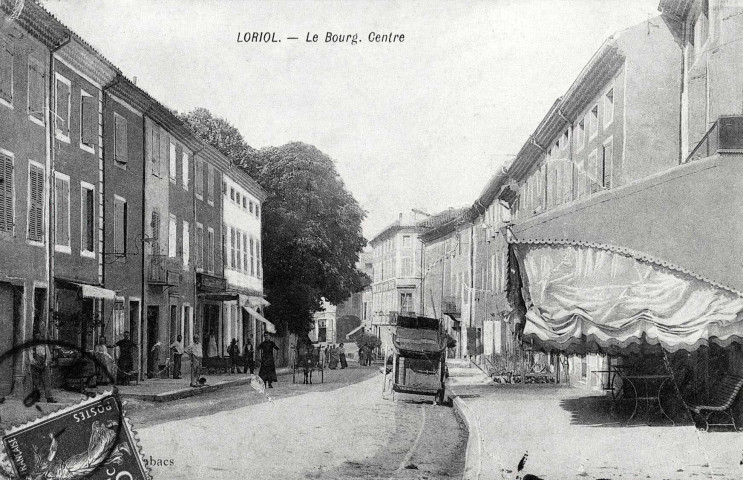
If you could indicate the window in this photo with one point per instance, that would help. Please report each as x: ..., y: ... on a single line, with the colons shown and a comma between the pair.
x: 121, y: 150
x: 594, y: 118
x: 173, y: 164
x: 62, y: 212
x: 62, y: 109
x: 239, y: 250
x: 245, y: 252
x: 36, y: 95
x: 88, y: 121
x: 609, y: 107
x: 199, y: 178
x: 210, y: 186
x: 701, y: 25
x: 592, y: 170
x: 155, y: 226
x: 237, y: 198
x: 232, y: 247
x: 407, y: 267
x: 7, y: 213
x: 406, y: 302
x: 406, y: 241
x: 186, y: 245
x: 172, y: 236
x: 564, y: 141
x: 199, y: 246
x: 120, y: 225
x: 245, y: 204
x: 252, y: 256
x: 259, y: 265
x: 250, y: 207
x: 184, y: 169
x: 210, y: 250
x: 607, y: 163
x: 580, y: 135
x: 6, y: 70
x: 232, y: 194
x: 257, y: 211
x: 87, y: 219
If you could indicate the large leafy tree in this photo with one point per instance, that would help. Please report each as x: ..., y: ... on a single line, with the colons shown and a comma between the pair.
x: 311, y: 223
x: 312, y: 233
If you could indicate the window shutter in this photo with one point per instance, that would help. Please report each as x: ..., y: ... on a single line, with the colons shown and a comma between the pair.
x: 62, y: 188
x: 155, y: 150
x: 155, y: 224
x: 6, y: 193
x: 210, y: 184
x: 199, y: 177
x: 164, y: 151
x: 35, y: 89
x: 6, y: 70
x: 36, y: 204
x: 89, y: 127
x: 63, y: 108
x: 121, y: 154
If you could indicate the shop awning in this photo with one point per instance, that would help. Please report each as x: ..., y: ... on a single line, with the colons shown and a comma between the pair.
x: 588, y: 298
x: 90, y: 291
x: 270, y: 327
x: 348, y: 335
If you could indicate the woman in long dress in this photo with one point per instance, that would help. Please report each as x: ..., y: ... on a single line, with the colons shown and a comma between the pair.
x: 342, y: 356
x: 333, y: 357
x: 268, y: 365
x: 105, y: 361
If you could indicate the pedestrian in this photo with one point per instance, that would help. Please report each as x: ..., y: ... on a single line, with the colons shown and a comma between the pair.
x: 333, y: 357
x: 177, y: 349
x: 267, y: 371
x: 155, y: 355
x: 249, y: 355
x: 327, y: 354
x: 195, y: 352
x: 362, y: 356
x: 39, y: 357
x: 342, y: 356
x: 105, y: 365
x: 212, y: 345
x: 234, y: 352
x: 125, y: 364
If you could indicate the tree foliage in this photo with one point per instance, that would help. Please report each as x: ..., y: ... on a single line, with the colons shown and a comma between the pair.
x: 368, y: 340
x: 311, y: 224
x: 312, y: 233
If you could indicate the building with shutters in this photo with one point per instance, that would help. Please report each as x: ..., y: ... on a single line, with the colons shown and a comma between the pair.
x: 24, y: 176
x: 396, y: 256
x: 242, y: 206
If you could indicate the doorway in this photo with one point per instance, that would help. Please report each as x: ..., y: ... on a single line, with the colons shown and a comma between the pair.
x: 153, y: 314
x: 8, y: 311
x: 134, y: 329
x: 174, y: 323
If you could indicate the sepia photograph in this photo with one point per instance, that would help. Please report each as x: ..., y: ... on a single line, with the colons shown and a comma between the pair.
x: 372, y: 239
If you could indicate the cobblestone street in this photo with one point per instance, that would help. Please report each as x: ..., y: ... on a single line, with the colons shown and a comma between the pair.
x: 338, y: 429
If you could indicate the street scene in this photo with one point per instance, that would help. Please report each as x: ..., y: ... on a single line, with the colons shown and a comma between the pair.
x: 384, y: 240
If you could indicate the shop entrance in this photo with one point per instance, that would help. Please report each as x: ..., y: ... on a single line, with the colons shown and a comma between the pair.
x: 9, y: 309
x: 153, y: 314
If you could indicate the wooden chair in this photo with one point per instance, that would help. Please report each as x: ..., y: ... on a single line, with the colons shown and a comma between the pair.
x: 721, y: 402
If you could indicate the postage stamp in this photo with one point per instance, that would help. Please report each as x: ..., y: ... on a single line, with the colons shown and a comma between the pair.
x: 92, y: 439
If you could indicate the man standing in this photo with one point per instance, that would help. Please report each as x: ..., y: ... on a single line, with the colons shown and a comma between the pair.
x: 195, y: 353
x: 125, y: 365
x: 39, y: 356
x: 177, y: 349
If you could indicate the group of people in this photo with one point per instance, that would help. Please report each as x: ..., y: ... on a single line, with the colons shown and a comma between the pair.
x: 366, y: 355
x: 334, y: 355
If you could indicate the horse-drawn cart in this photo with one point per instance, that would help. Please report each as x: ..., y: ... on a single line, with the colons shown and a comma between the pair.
x: 418, y: 358
x: 307, y: 359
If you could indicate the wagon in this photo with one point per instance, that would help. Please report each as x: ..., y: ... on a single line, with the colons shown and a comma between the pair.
x: 418, y: 358
x: 307, y: 360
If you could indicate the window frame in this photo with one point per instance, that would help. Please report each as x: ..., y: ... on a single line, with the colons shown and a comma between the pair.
x: 7, y: 42
x: 58, y: 134
x: 199, y: 262
x: 58, y: 247
x: 185, y: 164
x: 173, y: 162
x: 84, y: 188
x: 172, y: 236
x: 186, y: 244
x: 211, y: 266
x: 117, y: 161
x: 609, y: 140
x: 211, y: 177
x: 44, y: 199
x: 609, y: 119
x: 198, y: 177
x: 594, y: 126
x: 580, y: 139
x: 124, y: 227
x: 11, y: 158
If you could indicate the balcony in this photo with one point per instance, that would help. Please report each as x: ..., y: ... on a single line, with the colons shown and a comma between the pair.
x: 725, y: 136
x: 160, y: 274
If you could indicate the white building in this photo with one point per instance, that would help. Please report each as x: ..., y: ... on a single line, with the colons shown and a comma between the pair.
x: 242, y: 202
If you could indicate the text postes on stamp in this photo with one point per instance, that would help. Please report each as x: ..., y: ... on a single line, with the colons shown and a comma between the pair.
x: 92, y: 439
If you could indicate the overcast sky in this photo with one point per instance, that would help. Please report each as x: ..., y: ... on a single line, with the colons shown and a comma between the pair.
x: 422, y: 123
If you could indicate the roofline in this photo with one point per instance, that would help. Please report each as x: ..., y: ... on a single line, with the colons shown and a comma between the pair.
x: 391, y: 227
x: 236, y: 173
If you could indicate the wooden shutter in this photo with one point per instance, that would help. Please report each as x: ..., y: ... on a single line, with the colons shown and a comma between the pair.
x: 121, y: 153
x: 89, y: 120
x: 63, y: 108
x: 164, y: 151
x: 6, y: 69
x: 36, y: 204
x: 199, y: 177
x: 155, y: 150
x: 87, y: 227
x: 199, y: 246
x: 210, y: 185
x: 210, y: 258
x: 155, y: 225
x: 118, y: 226
x: 62, y: 210
x: 6, y: 194
x: 35, y: 89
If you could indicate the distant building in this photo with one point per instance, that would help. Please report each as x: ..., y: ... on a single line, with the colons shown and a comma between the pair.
x: 396, y: 257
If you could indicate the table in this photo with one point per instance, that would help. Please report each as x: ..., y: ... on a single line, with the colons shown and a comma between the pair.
x: 644, y: 387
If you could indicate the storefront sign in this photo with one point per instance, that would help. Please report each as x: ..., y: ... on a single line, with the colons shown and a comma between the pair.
x: 210, y: 284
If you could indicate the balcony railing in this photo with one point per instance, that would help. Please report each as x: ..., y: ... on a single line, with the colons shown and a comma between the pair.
x: 159, y: 273
x: 725, y: 136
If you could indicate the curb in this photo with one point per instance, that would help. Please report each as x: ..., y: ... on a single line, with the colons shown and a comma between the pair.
x: 187, y: 392
x: 473, y: 455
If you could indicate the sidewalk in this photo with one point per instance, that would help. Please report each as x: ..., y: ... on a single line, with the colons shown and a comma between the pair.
x: 14, y: 412
x: 568, y: 432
